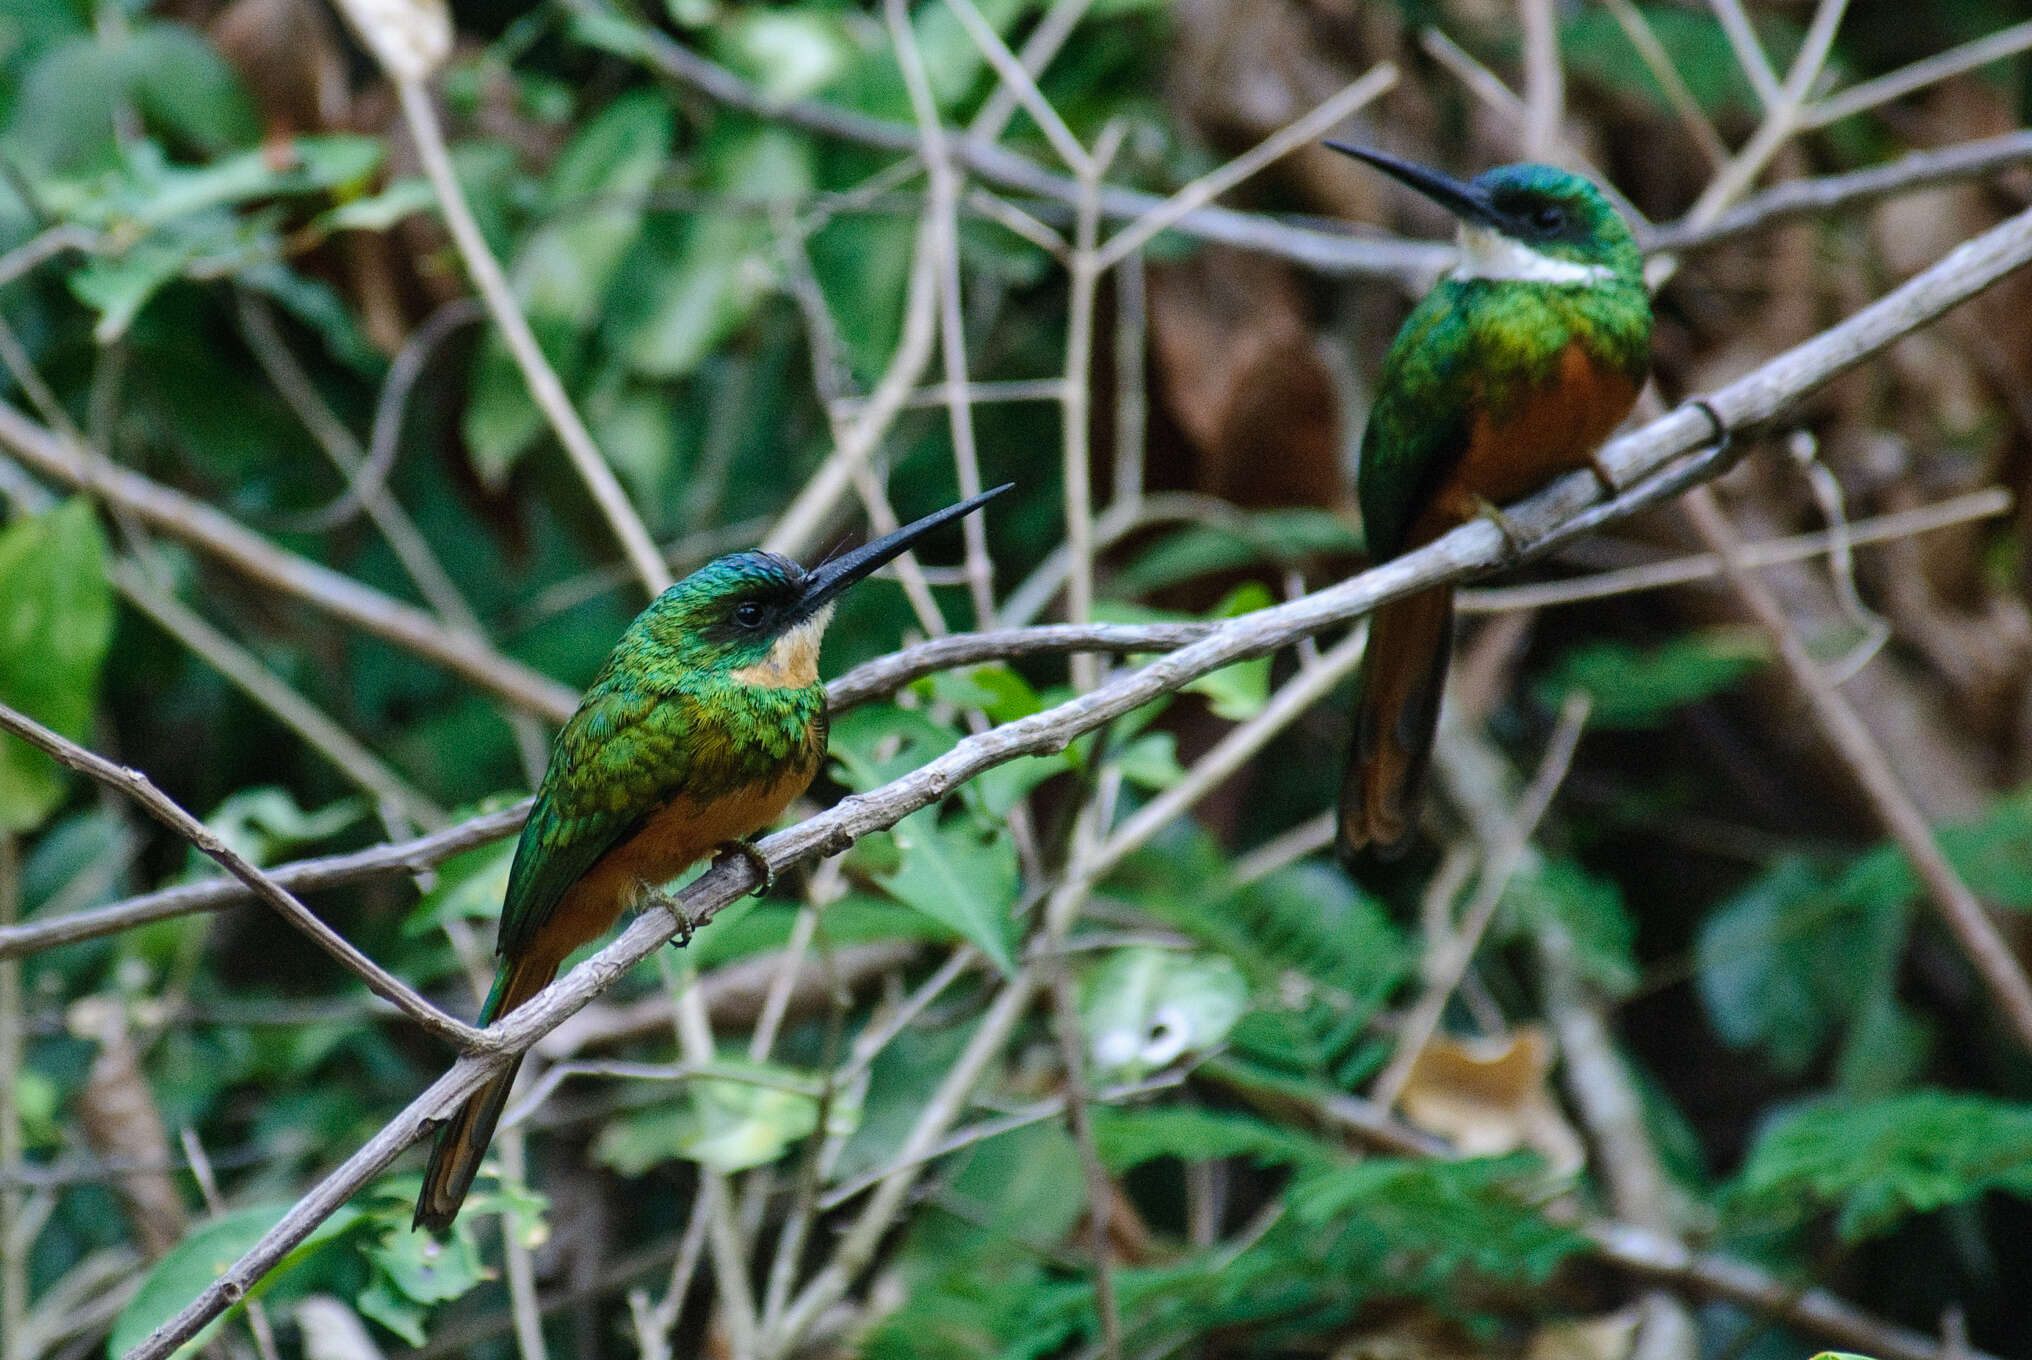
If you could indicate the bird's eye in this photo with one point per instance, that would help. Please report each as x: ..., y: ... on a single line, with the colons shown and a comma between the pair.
x: 1548, y: 218
x: 748, y: 614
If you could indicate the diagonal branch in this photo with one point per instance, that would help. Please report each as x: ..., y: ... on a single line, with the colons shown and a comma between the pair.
x: 884, y: 675
x: 219, y: 534
x: 164, y: 809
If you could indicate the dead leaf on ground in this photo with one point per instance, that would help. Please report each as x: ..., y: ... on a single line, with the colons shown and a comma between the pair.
x: 1490, y: 1096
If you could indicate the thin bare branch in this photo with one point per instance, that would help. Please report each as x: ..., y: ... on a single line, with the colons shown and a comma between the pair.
x: 214, y: 532
x: 2007, y: 42
x: 545, y: 388
x: 1850, y: 736
x: 1277, y: 145
x: 1659, y: 63
x: 1449, y: 960
x: 160, y: 806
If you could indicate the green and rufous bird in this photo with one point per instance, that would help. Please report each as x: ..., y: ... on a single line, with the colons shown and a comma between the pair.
x: 707, y: 719
x: 1511, y: 371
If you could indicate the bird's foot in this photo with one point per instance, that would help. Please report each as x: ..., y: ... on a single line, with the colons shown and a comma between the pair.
x: 1611, y: 488
x: 1722, y: 433
x: 687, y: 926
x: 1515, y: 540
x: 747, y: 850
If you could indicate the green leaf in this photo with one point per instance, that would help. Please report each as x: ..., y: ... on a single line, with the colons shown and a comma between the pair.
x: 265, y: 823
x: 1434, y: 1220
x: 1145, y: 1008
x: 723, y: 1125
x: 399, y: 199
x: 593, y: 203
x: 1129, y: 1138
x: 961, y: 874
x: 1882, y: 1161
x: 1787, y: 959
x: 56, y: 620
x: 1280, y: 538
x: 470, y: 886
x: 184, y: 85
x: 202, y: 1257
x: 724, y: 264
x: 1640, y: 687
x: 877, y: 744
x: 1151, y: 761
x: 1588, y: 911
x: 789, y: 53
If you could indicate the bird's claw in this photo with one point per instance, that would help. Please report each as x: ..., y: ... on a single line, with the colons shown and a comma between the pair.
x: 1515, y: 539
x: 686, y: 926
x: 1611, y: 488
x: 747, y: 850
x: 1722, y: 433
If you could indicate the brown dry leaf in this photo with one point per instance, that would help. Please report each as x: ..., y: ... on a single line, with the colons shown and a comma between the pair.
x: 1238, y: 371
x: 1489, y: 1096
x: 1611, y: 1336
x: 116, y: 1112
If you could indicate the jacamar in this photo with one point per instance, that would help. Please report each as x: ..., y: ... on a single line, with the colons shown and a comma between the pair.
x: 1511, y: 371
x: 707, y: 719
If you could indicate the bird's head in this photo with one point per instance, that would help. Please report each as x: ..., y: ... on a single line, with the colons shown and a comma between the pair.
x: 1528, y: 223
x: 758, y: 617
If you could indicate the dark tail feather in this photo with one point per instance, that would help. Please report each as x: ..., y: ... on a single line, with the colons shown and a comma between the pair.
x: 1396, y: 710
x: 462, y: 1142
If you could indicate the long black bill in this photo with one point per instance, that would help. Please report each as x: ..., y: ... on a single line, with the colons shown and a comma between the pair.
x: 1461, y: 199
x: 825, y: 581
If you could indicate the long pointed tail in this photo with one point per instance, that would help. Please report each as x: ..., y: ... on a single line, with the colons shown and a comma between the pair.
x: 1396, y: 710
x: 463, y: 1140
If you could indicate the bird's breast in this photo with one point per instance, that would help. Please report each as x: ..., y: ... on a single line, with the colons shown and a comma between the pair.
x: 1539, y: 431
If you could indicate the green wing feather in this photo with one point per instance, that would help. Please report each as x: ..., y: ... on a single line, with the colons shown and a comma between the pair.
x: 1418, y: 426
x: 619, y: 758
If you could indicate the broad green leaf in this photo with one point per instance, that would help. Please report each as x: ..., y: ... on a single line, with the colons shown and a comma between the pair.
x: 724, y: 264
x: 1145, y: 1008
x: 723, y: 1125
x: 1788, y: 959
x: 593, y: 205
x: 1281, y: 538
x: 202, y: 1257
x: 1151, y: 761
x: 56, y: 620
x: 789, y: 53
x: 470, y: 887
x: 379, y: 211
x: 875, y: 745
x: 117, y: 288
x: 1640, y: 687
x: 182, y: 84
x: 959, y: 873
x: 265, y: 823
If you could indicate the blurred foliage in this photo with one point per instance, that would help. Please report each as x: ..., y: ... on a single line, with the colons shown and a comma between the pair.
x: 1817, y: 1065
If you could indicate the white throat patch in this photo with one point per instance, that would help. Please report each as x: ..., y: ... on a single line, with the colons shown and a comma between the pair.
x: 792, y: 662
x: 1488, y: 254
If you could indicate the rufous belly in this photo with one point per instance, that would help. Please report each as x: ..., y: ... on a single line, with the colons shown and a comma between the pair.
x: 1552, y: 429
x: 677, y: 835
